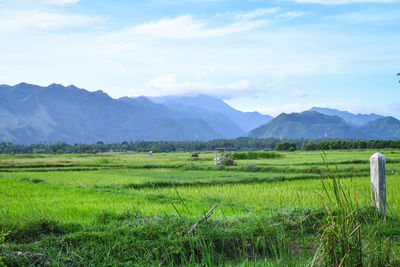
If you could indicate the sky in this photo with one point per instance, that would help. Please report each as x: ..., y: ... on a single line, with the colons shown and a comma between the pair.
x: 267, y: 56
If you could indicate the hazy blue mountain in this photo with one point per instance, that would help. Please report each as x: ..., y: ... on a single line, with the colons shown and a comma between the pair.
x: 204, y: 104
x: 355, y: 119
x: 220, y: 123
x: 308, y: 124
x: 34, y: 114
x: 384, y: 128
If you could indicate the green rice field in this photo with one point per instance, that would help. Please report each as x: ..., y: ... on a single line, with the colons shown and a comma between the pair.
x: 132, y: 209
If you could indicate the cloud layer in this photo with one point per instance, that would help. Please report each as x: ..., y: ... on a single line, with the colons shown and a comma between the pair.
x: 33, y: 19
x: 61, y: 2
x: 260, y: 54
x: 343, y: 2
x: 165, y: 84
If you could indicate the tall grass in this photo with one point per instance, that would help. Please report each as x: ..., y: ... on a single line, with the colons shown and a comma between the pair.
x: 341, y: 237
x: 351, y: 235
x: 2, y: 239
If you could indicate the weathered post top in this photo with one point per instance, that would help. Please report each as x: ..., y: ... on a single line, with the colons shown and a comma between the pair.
x: 378, y: 182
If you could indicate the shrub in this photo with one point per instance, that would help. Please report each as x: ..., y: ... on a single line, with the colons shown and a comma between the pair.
x: 286, y: 146
x: 228, y: 162
x: 310, y: 146
x: 37, y: 181
x: 256, y: 155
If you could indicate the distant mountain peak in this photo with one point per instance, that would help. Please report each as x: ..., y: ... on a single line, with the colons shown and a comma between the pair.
x: 22, y: 84
x: 312, y: 124
x: 71, y: 86
x: 55, y: 85
x: 209, y: 104
x: 307, y: 124
x: 353, y: 119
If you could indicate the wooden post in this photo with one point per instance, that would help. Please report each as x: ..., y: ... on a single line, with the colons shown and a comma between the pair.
x: 378, y: 182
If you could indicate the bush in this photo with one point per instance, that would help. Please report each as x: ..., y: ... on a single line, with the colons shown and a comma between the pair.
x: 228, y: 162
x: 256, y: 155
x: 37, y: 181
x: 286, y: 146
x: 311, y: 146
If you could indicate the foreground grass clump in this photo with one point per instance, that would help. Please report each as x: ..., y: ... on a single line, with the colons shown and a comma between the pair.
x: 348, y: 238
x: 2, y: 239
x: 341, y: 238
x: 137, y: 239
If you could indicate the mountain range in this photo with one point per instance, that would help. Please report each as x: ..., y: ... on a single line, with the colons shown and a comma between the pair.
x: 36, y: 114
x: 312, y: 124
x: 352, y: 119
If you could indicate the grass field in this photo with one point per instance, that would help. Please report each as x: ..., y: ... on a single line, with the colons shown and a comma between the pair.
x: 133, y: 209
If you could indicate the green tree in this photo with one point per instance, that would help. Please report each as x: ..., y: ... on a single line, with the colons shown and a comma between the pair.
x: 311, y: 145
x: 286, y: 146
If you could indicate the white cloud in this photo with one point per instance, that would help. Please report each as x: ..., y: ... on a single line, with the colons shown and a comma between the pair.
x: 183, y: 27
x: 61, y: 2
x: 33, y: 19
x: 168, y: 85
x: 342, y: 2
x: 365, y: 17
x: 187, y: 26
x: 292, y: 15
x: 298, y: 93
x: 256, y: 13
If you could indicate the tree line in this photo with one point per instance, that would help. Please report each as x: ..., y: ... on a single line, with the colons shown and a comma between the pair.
x: 238, y: 144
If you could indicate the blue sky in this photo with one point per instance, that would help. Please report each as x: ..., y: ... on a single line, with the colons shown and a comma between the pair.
x: 271, y: 56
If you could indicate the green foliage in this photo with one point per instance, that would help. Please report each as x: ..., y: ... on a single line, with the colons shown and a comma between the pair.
x: 33, y: 180
x: 286, y: 146
x: 32, y: 230
x: 256, y: 155
x: 351, y: 237
x: 238, y: 144
x: 341, y: 238
x: 251, y: 168
x: 228, y: 160
x: 310, y: 146
x: 132, y: 238
x: 103, y: 161
x: 2, y: 240
x: 361, y: 144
